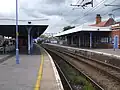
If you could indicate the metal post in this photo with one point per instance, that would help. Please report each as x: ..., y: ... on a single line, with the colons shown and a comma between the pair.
x: 31, y: 44
x: 79, y: 41
x: 17, y: 50
x: 66, y: 40
x: 72, y: 40
x: 29, y: 29
x: 83, y: 41
x: 90, y: 39
x: 28, y: 41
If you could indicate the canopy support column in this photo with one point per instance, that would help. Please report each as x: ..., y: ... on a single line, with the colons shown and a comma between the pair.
x: 90, y: 39
x: 29, y: 30
x: 79, y: 41
x: 71, y: 40
x: 31, y: 44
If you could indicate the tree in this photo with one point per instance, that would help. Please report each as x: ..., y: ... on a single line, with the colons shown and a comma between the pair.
x: 68, y: 27
x: 43, y: 36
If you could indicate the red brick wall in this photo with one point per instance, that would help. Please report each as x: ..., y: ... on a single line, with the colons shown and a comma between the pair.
x: 116, y: 32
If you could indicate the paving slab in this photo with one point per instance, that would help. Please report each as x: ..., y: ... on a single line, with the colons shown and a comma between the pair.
x: 23, y: 76
x: 48, y: 81
x: 19, y: 76
x: 109, y: 51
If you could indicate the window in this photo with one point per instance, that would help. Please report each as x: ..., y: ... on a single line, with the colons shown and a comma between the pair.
x: 104, y: 40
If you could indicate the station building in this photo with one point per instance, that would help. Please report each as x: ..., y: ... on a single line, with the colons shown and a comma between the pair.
x: 102, y: 34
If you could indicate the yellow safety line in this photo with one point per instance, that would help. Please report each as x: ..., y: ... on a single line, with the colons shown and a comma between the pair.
x: 39, y: 77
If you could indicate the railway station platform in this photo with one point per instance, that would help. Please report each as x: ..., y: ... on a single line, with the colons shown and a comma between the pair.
x: 109, y: 51
x: 35, y: 72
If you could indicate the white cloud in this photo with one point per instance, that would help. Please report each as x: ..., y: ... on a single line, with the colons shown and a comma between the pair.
x: 7, y: 6
x: 59, y: 12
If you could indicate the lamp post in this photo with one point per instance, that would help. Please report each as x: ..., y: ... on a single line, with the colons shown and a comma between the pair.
x: 17, y: 50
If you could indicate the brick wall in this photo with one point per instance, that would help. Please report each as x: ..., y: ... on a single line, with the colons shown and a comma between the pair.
x: 116, y: 32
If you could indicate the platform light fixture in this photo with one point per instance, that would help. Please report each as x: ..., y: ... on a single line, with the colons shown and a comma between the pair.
x: 29, y: 22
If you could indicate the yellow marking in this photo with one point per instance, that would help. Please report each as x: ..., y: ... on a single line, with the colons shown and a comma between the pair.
x: 17, y: 33
x: 39, y: 77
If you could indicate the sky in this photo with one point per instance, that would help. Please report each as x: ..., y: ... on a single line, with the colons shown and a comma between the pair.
x: 59, y: 13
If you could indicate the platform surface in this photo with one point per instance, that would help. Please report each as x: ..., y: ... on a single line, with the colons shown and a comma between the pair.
x: 24, y: 76
x: 50, y: 78
x: 109, y: 51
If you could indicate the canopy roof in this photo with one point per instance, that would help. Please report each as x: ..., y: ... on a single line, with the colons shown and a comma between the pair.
x: 8, y: 28
x: 83, y: 28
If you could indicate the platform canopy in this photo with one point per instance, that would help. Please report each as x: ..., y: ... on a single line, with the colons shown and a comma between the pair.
x: 8, y: 28
x: 83, y: 28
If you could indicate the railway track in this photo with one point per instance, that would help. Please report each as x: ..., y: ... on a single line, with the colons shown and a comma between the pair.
x: 97, y: 86
x: 106, y: 75
x: 112, y: 71
x: 111, y: 80
x: 66, y: 84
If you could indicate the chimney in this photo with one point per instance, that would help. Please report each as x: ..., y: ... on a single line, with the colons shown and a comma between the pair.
x: 98, y: 18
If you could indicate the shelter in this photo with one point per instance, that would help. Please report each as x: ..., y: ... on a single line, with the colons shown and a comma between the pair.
x: 86, y: 36
x: 26, y: 31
